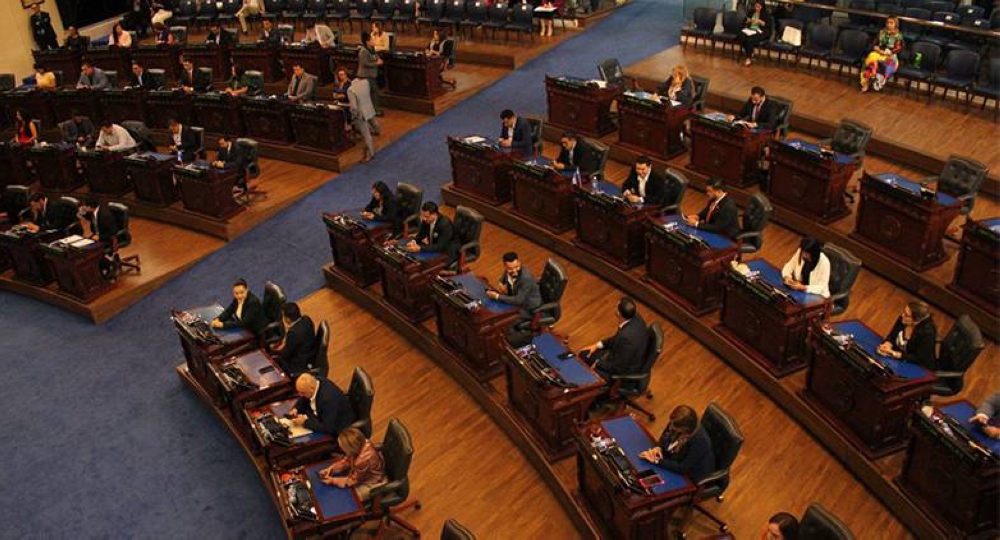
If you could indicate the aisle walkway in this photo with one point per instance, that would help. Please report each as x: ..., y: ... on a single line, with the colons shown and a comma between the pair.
x: 101, y: 439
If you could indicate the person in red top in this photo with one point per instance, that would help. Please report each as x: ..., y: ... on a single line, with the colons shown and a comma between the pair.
x: 362, y: 462
x: 26, y: 132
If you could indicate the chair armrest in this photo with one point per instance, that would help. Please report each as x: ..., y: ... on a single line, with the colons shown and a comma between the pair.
x: 628, y: 377
x: 466, y: 247
x: 748, y: 234
x: 948, y: 374
x: 713, y: 478
x: 545, y: 307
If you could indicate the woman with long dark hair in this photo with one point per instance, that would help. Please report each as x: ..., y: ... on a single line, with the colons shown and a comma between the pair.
x: 809, y: 269
x: 25, y: 130
x: 913, y: 337
x: 382, y: 206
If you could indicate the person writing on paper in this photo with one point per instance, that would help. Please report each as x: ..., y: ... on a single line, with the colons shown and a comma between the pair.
x: 882, y: 62
x: 114, y: 138
x: 573, y: 155
x: 988, y: 416
x: 643, y: 185
x: 322, y: 405
x: 36, y: 216
x: 382, y: 206
x: 517, y: 287
x: 913, y: 337
x: 758, y: 111
x: 362, y: 462
x: 757, y: 31
x: 684, y: 446
x: 515, y: 133
x: 245, y: 311
x: 809, y: 269
x: 679, y: 87
x: 719, y: 215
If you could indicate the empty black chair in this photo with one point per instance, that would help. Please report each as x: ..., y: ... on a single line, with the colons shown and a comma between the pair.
x: 15, y: 199
x: 939, y: 36
x: 338, y: 11
x: 294, y: 10
x: 363, y: 10
x: 940, y: 5
x: 157, y: 78
x: 206, y: 75
x: 112, y: 78
x: 383, y: 11
x: 410, y: 198
x: 432, y: 13
x: 497, y: 19
x: 851, y: 138
x: 784, y: 116
x: 468, y: 226
x: 199, y: 136
x: 537, y: 132
x: 454, y: 13
x: 819, y: 524
x: 852, y: 47
x: 601, y: 150
x: 912, y: 31
x: 274, y: 298
x: 612, y: 73
x: 391, y: 497
x: 522, y: 19
x: 315, y: 12
x: 454, y: 530
x: 273, y: 9
x: 321, y: 365
x: 960, y: 71
x: 700, y: 93
x: 361, y: 394
x: 251, y: 150
x: 551, y: 285
x: 122, y: 239
x: 991, y: 88
x: 970, y: 42
x: 64, y: 215
x: 970, y: 12
x: 957, y: 352
x: 733, y: 22
x: 207, y: 13
x: 228, y: 12
x: 727, y: 439
x: 704, y: 26
x: 286, y: 33
x: 7, y: 82
x: 142, y: 134
x: 921, y: 71
x: 185, y: 13
x: 961, y: 178
x: 406, y: 14
x: 755, y: 218
x: 676, y: 188
x: 476, y: 14
x: 778, y: 44
x: 448, y: 52
x: 180, y: 34
x: 255, y: 82
x: 625, y: 387
x: 844, y: 270
x: 857, y: 21
x: 819, y: 46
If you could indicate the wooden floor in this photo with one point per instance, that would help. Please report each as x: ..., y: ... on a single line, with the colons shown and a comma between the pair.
x: 937, y: 129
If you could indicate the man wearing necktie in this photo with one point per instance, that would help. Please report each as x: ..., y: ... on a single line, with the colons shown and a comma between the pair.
x: 302, y: 85
x: 644, y: 186
x: 435, y: 234
x: 574, y: 155
x: 758, y: 111
x: 719, y: 215
x: 138, y: 76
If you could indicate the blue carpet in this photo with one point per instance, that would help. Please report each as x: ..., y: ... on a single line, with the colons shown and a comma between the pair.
x: 101, y: 439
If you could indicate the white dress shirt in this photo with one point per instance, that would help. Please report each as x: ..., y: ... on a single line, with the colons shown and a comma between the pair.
x: 819, y: 278
x: 118, y: 140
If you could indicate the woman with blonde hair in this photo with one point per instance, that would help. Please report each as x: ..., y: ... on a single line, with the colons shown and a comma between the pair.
x: 362, y: 462
x: 679, y: 87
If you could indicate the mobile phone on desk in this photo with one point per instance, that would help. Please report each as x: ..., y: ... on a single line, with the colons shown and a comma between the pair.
x: 649, y: 478
x: 265, y: 370
x: 566, y: 355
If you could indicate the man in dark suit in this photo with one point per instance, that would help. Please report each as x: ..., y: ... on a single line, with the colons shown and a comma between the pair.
x: 574, y: 155
x: 268, y: 35
x: 193, y: 80
x: 297, y: 351
x: 230, y: 156
x: 78, y: 130
x: 102, y: 222
x: 758, y: 111
x: 217, y: 37
x: 643, y: 185
x: 624, y: 352
x: 517, y: 287
x: 435, y: 234
x: 245, y: 311
x: 322, y: 407
x: 183, y: 140
x: 41, y: 28
x: 719, y: 215
x: 515, y: 133
x: 140, y: 79
x: 36, y: 216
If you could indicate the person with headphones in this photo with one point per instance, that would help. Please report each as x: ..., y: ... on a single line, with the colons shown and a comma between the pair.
x: 624, y: 352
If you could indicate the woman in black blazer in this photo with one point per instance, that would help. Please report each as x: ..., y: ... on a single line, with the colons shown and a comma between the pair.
x: 759, y: 25
x: 679, y: 87
x: 245, y: 311
x: 383, y: 206
x: 913, y: 338
x: 684, y: 446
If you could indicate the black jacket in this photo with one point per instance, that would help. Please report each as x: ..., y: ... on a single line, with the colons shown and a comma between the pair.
x: 627, y: 348
x: 189, y: 144
x: 696, y: 459
x: 389, y: 209
x: 146, y: 83
x: 685, y: 95
x: 299, y: 353
x: 767, y: 117
x: 656, y: 187
x: 42, y: 219
x: 271, y: 38
x: 234, y: 157
x: 520, y: 140
x: 724, y: 219
x: 196, y: 80
x: 224, y: 39
x: 253, y: 318
x: 104, y: 223
x: 333, y: 409
x: 920, y: 349
x: 584, y: 157
x: 442, y: 241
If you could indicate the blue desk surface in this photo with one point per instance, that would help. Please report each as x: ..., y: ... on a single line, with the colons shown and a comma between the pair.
x: 913, y: 187
x: 992, y: 224
x: 869, y: 341
x: 615, y: 191
x: 251, y: 365
x: 422, y: 256
x: 332, y: 501
x: 772, y: 275
x: 572, y: 370
x: 157, y: 156
x: 281, y: 408
x: 477, y: 289
x: 962, y: 412
x: 227, y: 335
x: 714, y: 241
x: 721, y: 118
x: 633, y: 440
x: 812, y: 148
x: 366, y: 223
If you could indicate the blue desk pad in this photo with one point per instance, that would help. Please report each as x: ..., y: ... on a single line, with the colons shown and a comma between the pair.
x: 281, y: 408
x: 812, y: 148
x: 477, y: 289
x: 913, y: 187
x: 633, y: 440
x: 992, y: 224
x: 355, y: 214
x: 615, y: 191
x: 572, y: 370
x: 721, y: 118
x: 962, y: 412
x: 332, y: 501
x: 209, y: 313
x: 252, y: 362
x: 713, y: 240
x: 869, y: 341
x: 772, y: 275
x: 422, y: 256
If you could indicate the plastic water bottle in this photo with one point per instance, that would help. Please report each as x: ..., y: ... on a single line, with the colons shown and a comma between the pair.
x: 917, y: 59
x: 576, y: 177
x: 180, y: 158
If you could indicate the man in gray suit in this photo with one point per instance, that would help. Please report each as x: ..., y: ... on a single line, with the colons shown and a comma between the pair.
x: 79, y: 130
x: 92, y: 78
x: 363, y: 115
x: 368, y: 63
x: 988, y: 416
x: 517, y: 287
x: 302, y: 86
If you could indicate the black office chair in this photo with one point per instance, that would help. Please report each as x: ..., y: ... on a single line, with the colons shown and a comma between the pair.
x: 15, y: 200
x: 205, y: 76
x: 844, y: 270
x: 228, y: 12
x: 703, y: 29
x: 700, y: 93
x: 7, y: 82
x: 852, y: 47
x: 255, y: 82
x: 551, y: 285
x: 537, y: 132
x: 733, y: 22
x: 410, y: 198
x: 123, y: 239
x: 454, y: 530
x: 112, y: 78
x: 497, y: 19
x: 625, y: 388
x: 448, y: 52
x: 157, y: 78
x: 389, y: 499
x: 361, y: 393
x: 755, y: 218
x: 468, y: 226
x: 612, y: 73
x: 784, y: 116
x: 142, y: 134
x: 521, y: 20
x: 727, y: 439
x: 286, y: 32
x: 251, y: 149
x: 819, y: 45
x: 274, y: 298
x: 64, y: 215
x: 601, y: 150
x: 180, y: 34
x: 961, y: 178
x: 676, y: 188
x: 199, y: 136
x: 851, y: 138
x: 431, y: 14
x: 321, y: 366
x: 957, y: 352
x: 819, y: 524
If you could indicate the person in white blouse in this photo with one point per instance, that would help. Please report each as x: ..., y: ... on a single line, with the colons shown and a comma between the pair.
x: 809, y: 269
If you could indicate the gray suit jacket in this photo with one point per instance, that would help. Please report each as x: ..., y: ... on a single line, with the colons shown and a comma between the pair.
x: 70, y: 133
x: 991, y: 406
x: 367, y: 64
x: 306, y: 90
x: 526, y: 293
x: 98, y: 81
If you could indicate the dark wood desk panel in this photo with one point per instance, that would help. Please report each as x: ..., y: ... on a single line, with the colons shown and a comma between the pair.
x: 167, y: 58
x: 13, y: 161
x: 210, y: 56
x: 480, y: 170
x: 208, y: 191
x: 406, y: 281
x: 314, y: 59
x: 124, y: 105
x: 199, y: 353
x: 113, y: 59
x: 78, y: 271
x: 345, y: 58
x: 257, y: 57
x: 726, y: 152
x: 219, y: 114
x: 414, y: 75
x: 977, y: 275
x: 351, y: 241
x: 86, y: 101
x: 611, y: 229
x: 35, y: 101
x: 57, y: 167
x: 651, y: 127
x: 543, y: 196
x: 66, y: 60
x: 807, y: 182
x: 26, y: 257
x: 152, y: 176
x: 104, y: 172
x: 320, y: 127
x: 580, y: 105
x: 266, y: 120
x: 162, y: 105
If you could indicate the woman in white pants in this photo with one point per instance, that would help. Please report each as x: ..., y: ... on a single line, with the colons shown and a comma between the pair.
x: 250, y: 7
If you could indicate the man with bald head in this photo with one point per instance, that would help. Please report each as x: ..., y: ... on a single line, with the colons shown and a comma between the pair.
x: 322, y: 406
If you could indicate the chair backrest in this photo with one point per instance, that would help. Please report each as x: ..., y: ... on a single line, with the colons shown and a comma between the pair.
x: 784, y: 115
x: 523, y: 14
x: 251, y: 149
x: 822, y: 36
x: 410, y: 198
x: 971, y: 12
x: 448, y: 51
x: 704, y: 18
x: 361, y: 393
x: 7, y: 81
x: 141, y: 133
x: 468, y: 226
x: 537, y: 129
x: 15, y: 199
x: 961, y: 346
x: 851, y: 137
x: 844, y: 270
x: 601, y: 150
x: 286, y: 32
x: 855, y: 42
x: 454, y: 530
x: 611, y: 71
x: 199, y: 135
x: 385, y: 7
x: 756, y: 216
x: 454, y: 9
x: 993, y: 74
x: 962, y: 177
x: 274, y: 6
x: 676, y: 188
x: 59, y: 77
x: 397, y: 452
x: 733, y: 21
x: 316, y: 6
x: 230, y: 7
x: 654, y: 347
x: 255, y: 82
x: 274, y: 298
x: 322, y: 363
x: 120, y: 211
x: 499, y: 12
x: 206, y: 9
x: 189, y: 8
x: 727, y: 439
x: 434, y: 10
x: 940, y: 5
x: 64, y: 212
x: 180, y: 34
x: 295, y: 7
x: 407, y: 8
x: 700, y: 93
x: 157, y: 77
x: 112, y: 78
x: 930, y: 55
x: 206, y: 74
x: 819, y: 524
x: 552, y: 285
